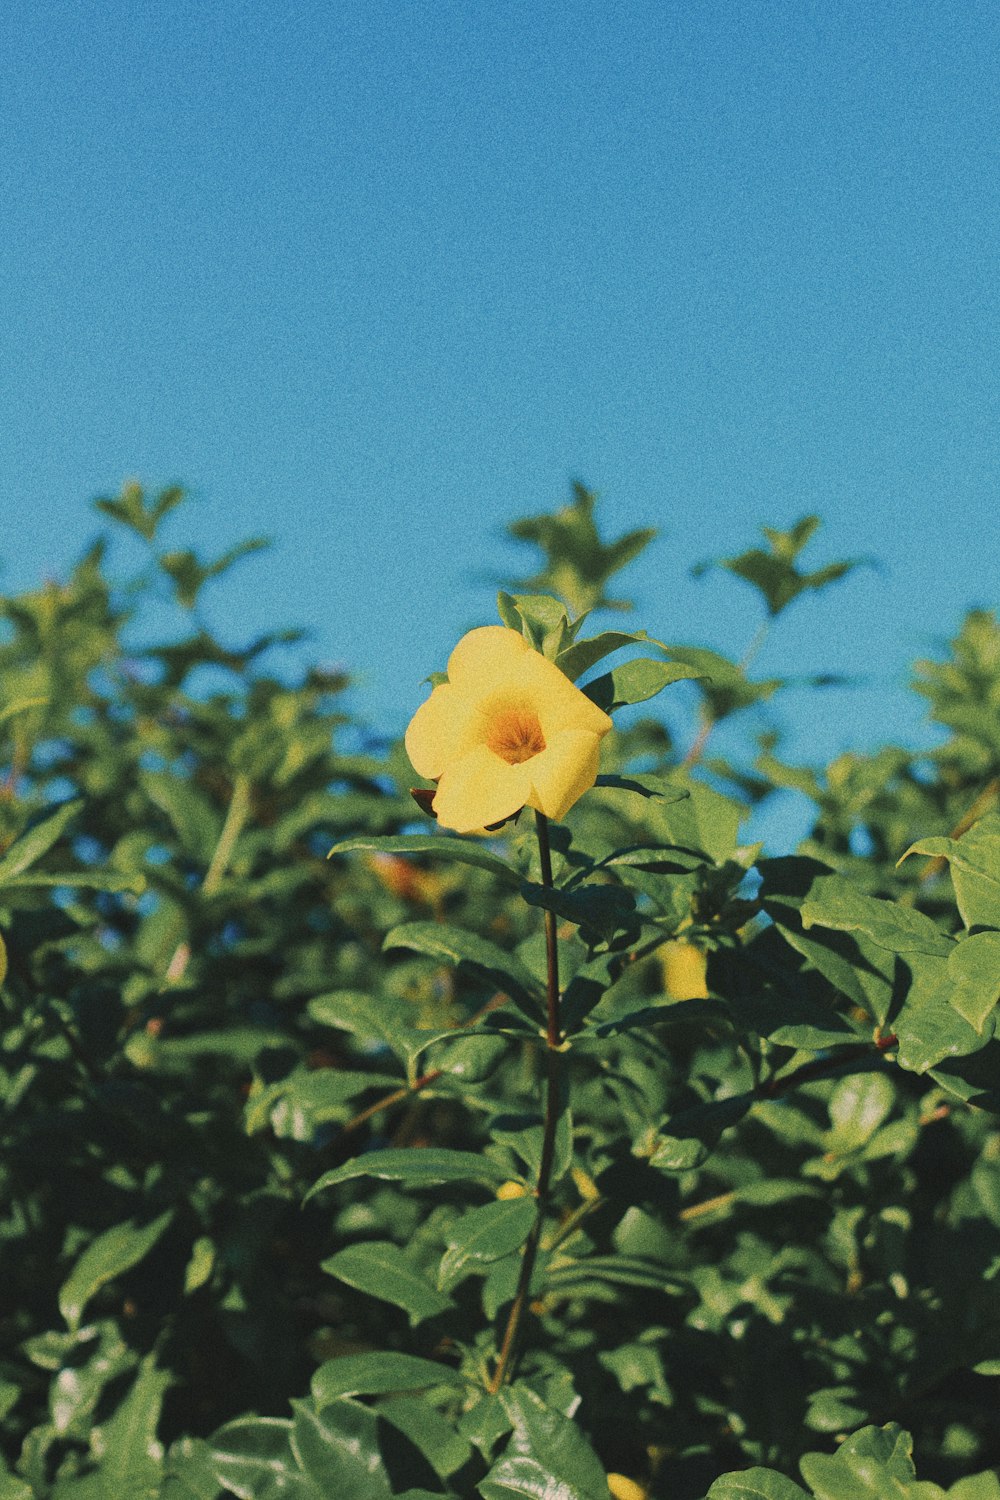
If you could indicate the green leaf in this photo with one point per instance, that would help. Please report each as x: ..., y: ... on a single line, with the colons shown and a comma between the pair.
x: 189, y: 574
x: 635, y: 682
x: 200, y: 1265
x: 419, y: 1167
x: 445, y: 1449
x: 338, y: 1450
x: 645, y: 785
x: 600, y: 910
x: 14, y: 1489
x: 929, y: 1028
x: 876, y: 1462
x: 975, y: 869
x: 460, y: 850
x: 382, y: 1018
x: 974, y: 970
x: 578, y: 562
x: 518, y: 1476
x: 834, y: 902
x: 131, y: 1457
x: 855, y: 966
x: 454, y: 945
x: 985, y: 1486
x: 252, y: 1458
x: 576, y: 1277
x: 580, y: 657
x: 725, y: 687
x: 78, y: 880
x: 37, y: 841
x: 774, y: 572
x: 705, y: 820
x: 379, y: 1268
x: 756, y: 1484
x: 606, y: 1020
x: 483, y: 1235
x: 130, y: 510
x: 858, y: 1106
x: 545, y: 1449
x: 110, y: 1255
x: 194, y: 819
x: 541, y: 619
x: 378, y: 1374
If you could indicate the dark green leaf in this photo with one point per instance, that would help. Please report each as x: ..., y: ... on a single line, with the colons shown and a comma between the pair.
x: 756, y: 1484
x: 454, y: 945
x: 635, y: 682
x: 380, y: 1269
x: 602, y: 910
x: 338, y: 1450
x: 377, y: 1374
x: 252, y: 1458
x: 483, y: 1235
x: 547, y: 1440
x: 425, y: 1166
x: 115, y: 1251
x: 131, y: 1456
x: 645, y: 786
x: 461, y: 850
x: 582, y: 655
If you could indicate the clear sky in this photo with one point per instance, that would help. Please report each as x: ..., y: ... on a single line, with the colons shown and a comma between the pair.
x: 374, y: 278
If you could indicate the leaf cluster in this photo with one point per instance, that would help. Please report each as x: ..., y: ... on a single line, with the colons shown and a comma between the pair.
x: 275, y: 1123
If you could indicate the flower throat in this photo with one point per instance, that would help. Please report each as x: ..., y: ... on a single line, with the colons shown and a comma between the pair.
x: 515, y: 734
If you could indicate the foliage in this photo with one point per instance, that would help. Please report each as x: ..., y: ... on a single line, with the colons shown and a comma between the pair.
x: 292, y: 1144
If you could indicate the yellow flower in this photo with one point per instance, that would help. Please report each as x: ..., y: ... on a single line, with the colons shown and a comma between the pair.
x: 684, y: 970
x: 507, y: 730
x: 623, y: 1488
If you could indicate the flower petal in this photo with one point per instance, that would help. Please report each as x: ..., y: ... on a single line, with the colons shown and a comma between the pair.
x: 478, y: 789
x: 486, y: 657
x: 560, y: 705
x: 440, y: 730
x: 566, y: 768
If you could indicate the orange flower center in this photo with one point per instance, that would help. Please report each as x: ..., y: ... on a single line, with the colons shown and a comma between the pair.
x: 513, y: 732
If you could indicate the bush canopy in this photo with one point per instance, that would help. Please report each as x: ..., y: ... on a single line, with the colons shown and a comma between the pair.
x: 609, y: 1156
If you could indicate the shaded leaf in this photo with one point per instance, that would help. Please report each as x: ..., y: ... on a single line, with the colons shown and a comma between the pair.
x: 110, y: 1255
x: 379, y: 1268
x: 461, y: 850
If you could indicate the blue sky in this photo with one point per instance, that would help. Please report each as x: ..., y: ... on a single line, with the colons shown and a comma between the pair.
x: 376, y: 278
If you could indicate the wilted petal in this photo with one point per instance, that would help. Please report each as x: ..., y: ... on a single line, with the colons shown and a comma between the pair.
x: 479, y: 788
x: 565, y: 770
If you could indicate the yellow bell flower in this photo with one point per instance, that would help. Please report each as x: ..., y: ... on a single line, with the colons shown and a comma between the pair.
x: 507, y: 730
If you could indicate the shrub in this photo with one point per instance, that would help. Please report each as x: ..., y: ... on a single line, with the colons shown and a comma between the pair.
x: 319, y: 1181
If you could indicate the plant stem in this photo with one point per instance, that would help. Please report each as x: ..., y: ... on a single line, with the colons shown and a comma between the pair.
x: 239, y: 809
x: 553, y: 1081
